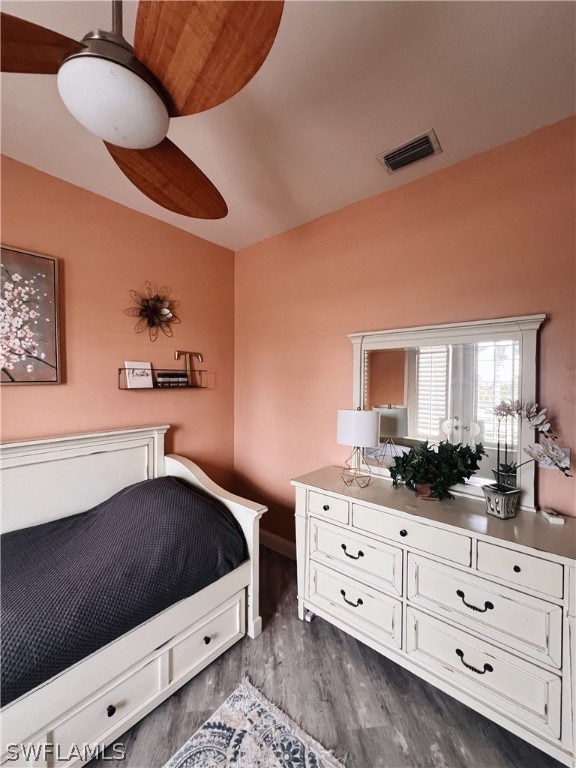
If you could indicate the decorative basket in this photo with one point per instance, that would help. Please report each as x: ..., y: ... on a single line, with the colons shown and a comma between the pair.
x: 501, y: 502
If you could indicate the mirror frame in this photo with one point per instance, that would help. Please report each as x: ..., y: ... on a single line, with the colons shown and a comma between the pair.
x: 523, y: 328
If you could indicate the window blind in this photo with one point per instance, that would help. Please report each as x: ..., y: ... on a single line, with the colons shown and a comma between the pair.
x: 432, y: 367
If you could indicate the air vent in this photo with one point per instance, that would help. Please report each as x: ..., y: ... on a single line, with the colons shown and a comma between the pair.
x: 413, y: 151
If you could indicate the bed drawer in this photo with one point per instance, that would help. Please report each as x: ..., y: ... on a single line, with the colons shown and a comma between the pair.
x: 358, y: 605
x: 222, y: 629
x: 528, y: 624
x: 514, y: 687
x: 364, y: 556
x: 328, y: 507
x: 523, y: 570
x: 428, y: 538
x: 91, y: 723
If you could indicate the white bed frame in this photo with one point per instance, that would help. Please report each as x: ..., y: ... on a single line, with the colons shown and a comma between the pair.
x: 70, y: 718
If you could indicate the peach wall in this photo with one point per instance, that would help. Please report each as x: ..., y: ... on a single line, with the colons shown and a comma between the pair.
x: 386, y: 373
x: 105, y: 250
x: 492, y: 236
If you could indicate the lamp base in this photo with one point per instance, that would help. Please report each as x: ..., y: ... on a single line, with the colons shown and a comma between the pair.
x: 352, y: 477
x: 354, y: 473
x: 386, y: 453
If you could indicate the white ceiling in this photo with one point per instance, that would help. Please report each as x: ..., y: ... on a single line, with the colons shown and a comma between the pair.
x: 344, y: 81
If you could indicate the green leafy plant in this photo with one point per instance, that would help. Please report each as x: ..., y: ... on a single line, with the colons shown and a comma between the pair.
x: 441, y: 466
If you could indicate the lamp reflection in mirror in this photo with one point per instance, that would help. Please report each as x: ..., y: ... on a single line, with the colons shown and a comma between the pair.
x: 359, y: 429
x: 393, y: 424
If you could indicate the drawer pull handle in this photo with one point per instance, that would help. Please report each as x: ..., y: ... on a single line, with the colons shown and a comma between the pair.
x: 517, y: 569
x: 110, y: 710
x: 326, y: 507
x: 353, y: 557
x: 354, y: 605
x: 488, y: 606
x: 487, y: 667
x: 207, y: 640
x: 403, y: 532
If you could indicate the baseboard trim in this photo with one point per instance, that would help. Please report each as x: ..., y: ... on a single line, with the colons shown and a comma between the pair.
x: 278, y: 544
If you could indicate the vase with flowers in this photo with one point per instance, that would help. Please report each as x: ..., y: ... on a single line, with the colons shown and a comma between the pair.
x: 503, y: 496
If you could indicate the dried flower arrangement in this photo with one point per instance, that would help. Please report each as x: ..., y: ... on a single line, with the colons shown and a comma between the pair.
x: 154, y: 310
x: 545, y: 451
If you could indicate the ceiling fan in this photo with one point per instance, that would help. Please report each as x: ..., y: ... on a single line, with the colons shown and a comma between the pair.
x: 187, y: 57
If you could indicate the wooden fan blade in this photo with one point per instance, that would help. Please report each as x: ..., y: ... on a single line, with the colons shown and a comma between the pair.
x: 204, y: 52
x: 168, y: 177
x: 27, y: 47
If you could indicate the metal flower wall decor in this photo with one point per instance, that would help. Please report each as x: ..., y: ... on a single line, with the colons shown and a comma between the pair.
x: 154, y: 310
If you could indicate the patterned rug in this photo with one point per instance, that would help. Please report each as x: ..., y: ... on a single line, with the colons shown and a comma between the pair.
x: 247, y: 731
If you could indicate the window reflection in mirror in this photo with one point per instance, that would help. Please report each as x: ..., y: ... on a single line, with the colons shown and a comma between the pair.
x: 444, y: 392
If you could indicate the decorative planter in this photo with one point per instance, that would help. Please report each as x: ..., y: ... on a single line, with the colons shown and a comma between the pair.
x: 501, y: 502
x: 505, y: 478
x: 424, y: 492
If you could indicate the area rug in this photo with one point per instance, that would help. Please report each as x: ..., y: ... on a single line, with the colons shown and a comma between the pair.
x: 248, y: 731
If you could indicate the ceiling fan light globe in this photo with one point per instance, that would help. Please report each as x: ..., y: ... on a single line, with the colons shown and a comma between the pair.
x: 113, y: 102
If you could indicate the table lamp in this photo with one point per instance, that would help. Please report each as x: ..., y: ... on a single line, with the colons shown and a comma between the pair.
x: 359, y: 429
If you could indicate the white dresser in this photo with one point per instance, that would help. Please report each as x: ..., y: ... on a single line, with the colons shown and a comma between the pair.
x: 483, y: 608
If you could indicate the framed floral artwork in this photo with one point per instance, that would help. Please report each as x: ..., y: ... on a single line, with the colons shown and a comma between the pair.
x: 29, y: 338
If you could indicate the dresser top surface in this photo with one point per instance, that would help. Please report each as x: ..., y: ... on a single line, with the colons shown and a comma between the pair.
x: 527, y: 529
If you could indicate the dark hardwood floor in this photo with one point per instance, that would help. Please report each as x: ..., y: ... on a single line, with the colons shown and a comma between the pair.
x: 369, y: 711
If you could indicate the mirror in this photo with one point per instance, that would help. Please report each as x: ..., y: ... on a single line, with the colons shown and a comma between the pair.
x: 442, y: 383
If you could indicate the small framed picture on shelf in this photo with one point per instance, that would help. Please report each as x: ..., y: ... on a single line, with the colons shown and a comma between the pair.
x: 138, y: 374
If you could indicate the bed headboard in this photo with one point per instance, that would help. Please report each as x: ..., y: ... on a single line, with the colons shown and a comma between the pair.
x: 58, y: 476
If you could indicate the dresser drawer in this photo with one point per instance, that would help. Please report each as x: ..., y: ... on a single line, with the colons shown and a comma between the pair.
x: 514, y: 687
x: 358, y: 554
x: 520, y: 569
x: 359, y: 606
x: 88, y: 725
x: 223, y: 628
x: 528, y: 624
x: 415, y: 535
x: 328, y: 507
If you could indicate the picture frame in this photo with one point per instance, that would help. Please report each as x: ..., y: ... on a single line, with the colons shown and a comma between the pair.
x: 138, y: 374
x: 29, y: 320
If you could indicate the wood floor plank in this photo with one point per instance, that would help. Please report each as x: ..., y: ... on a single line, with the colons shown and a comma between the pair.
x: 371, y: 712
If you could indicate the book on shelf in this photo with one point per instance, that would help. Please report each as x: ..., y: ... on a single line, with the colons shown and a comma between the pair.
x: 171, y: 378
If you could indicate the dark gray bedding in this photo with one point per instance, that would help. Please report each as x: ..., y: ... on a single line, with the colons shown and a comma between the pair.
x: 73, y: 585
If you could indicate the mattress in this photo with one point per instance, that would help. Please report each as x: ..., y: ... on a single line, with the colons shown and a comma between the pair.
x: 73, y: 585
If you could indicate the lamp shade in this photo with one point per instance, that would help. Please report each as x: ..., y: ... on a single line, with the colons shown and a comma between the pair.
x: 113, y: 102
x: 358, y: 428
x: 393, y: 420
